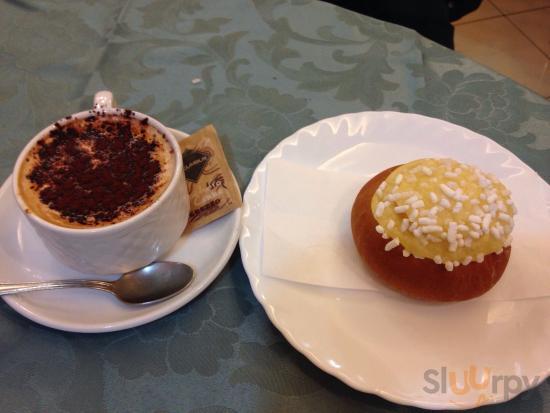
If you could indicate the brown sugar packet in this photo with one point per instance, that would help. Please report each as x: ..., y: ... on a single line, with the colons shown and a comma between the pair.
x: 212, y: 187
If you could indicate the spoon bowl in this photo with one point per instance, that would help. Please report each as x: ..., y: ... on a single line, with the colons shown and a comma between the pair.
x: 155, y: 282
x: 150, y: 284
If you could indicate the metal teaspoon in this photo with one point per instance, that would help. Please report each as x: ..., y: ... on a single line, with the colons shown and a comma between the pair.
x: 154, y: 282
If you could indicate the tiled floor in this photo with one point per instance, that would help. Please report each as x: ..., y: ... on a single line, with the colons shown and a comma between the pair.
x: 511, y: 37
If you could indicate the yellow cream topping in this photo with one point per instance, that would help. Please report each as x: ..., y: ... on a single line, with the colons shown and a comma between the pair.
x: 444, y: 210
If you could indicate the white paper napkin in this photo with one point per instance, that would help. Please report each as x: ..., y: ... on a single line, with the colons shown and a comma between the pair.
x: 307, y: 235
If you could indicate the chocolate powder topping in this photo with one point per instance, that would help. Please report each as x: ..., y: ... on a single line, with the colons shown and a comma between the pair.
x: 94, y: 170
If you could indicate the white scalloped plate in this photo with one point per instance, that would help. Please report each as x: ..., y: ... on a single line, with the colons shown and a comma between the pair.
x: 396, y: 347
x: 23, y: 257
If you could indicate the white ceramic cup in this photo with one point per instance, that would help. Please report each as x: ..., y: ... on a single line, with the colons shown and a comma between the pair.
x: 129, y: 244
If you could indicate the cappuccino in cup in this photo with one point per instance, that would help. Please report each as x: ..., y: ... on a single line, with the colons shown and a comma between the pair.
x: 104, y: 189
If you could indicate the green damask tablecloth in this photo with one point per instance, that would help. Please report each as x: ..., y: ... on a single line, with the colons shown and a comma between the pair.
x: 266, y: 68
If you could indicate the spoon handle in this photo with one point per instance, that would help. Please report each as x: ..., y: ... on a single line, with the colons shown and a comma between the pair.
x: 50, y: 285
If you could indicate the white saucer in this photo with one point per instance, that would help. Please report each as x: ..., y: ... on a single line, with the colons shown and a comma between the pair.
x: 24, y: 258
x: 396, y: 347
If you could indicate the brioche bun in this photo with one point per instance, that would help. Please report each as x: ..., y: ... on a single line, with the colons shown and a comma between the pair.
x: 420, y: 278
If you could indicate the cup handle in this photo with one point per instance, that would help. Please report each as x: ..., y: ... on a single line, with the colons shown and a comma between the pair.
x: 104, y: 100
